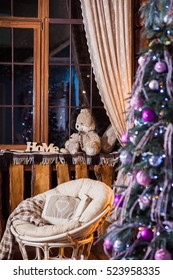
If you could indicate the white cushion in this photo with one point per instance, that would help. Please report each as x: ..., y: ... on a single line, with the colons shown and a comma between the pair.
x: 99, y: 192
x: 84, y: 189
x: 27, y: 229
x: 59, y: 209
x: 83, y: 204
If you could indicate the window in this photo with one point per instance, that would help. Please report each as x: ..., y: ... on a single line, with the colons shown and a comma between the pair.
x: 45, y: 72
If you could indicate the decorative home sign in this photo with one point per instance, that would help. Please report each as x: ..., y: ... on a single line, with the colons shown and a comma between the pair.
x: 41, y: 147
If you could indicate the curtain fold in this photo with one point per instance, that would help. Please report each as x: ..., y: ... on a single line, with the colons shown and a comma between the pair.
x: 108, y: 27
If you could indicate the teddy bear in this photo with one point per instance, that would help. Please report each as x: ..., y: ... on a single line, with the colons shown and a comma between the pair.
x: 72, y: 145
x: 86, y: 139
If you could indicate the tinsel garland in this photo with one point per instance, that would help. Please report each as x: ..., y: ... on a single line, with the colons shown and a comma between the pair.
x: 169, y: 87
x: 138, y: 87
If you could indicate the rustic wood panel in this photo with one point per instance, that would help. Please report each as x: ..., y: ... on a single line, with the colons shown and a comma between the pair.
x: 81, y: 170
x: 41, y: 178
x: 104, y: 173
x: 107, y: 174
x: 16, y: 185
x: 63, y: 173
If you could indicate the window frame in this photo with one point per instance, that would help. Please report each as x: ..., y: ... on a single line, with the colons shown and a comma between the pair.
x: 41, y: 26
x: 37, y: 24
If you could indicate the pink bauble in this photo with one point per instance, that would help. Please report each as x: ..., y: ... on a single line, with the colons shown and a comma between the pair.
x: 136, y: 102
x: 154, y: 85
x: 125, y: 138
x: 162, y: 254
x: 148, y: 115
x: 146, y: 234
x: 108, y: 244
x: 117, y: 199
x: 160, y: 67
x: 143, y: 178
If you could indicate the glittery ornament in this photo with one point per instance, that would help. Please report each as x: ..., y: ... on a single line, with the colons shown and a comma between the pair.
x: 119, y: 246
x: 155, y: 160
x: 133, y: 138
x: 143, y: 178
x: 117, y: 199
x: 160, y: 67
x: 136, y: 102
x: 162, y: 254
x: 125, y: 157
x: 167, y: 19
x: 138, y: 122
x: 144, y: 202
x: 146, y: 234
x: 125, y: 138
x: 154, y: 85
x: 148, y: 115
x: 108, y: 244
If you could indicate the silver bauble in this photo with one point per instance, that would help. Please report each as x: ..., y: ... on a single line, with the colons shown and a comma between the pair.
x: 155, y: 160
x: 119, y: 246
x: 125, y: 157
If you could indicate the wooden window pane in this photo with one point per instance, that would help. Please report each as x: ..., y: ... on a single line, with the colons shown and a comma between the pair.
x: 25, y: 8
x: 23, y: 45
x: 5, y: 131
x: 5, y: 45
x: 65, y: 9
x: 59, y: 78
x: 80, y: 86
x: 59, y: 9
x: 23, y: 125
x: 23, y: 85
x: 58, y: 125
x: 5, y: 7
x: 76, y: 11
x: 80, y: 54
x: 5, y: 85
x: 59, y: 43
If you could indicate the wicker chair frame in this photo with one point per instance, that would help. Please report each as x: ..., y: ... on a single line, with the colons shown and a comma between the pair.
x: 80, y: 240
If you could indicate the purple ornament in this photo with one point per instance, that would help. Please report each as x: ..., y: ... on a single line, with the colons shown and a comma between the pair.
x: 148, y: 115
x: 117, y: 199
x: 162, y: 254
x: 108, y: 244
x: 160, y: 67
x: 143, y: 178
x: 136, y: 102
x: 146, y: 234
x: 125, y: 138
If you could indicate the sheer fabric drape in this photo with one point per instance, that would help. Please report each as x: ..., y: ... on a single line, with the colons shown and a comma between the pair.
x: 108, y: 26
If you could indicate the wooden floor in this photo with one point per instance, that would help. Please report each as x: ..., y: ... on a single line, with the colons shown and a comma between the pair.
x: 97, y: 252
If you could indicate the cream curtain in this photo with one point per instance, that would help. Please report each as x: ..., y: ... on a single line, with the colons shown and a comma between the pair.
x: 108, y: 26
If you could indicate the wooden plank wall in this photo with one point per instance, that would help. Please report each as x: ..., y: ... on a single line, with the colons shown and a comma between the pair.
x: 44, y: 177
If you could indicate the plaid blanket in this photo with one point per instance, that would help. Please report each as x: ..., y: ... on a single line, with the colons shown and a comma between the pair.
x: 28, y: 210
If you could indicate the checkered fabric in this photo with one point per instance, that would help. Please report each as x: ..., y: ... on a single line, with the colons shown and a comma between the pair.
x: 29, y: 210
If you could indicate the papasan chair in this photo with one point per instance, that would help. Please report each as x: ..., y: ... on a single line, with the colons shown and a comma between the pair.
x: 72, y: 213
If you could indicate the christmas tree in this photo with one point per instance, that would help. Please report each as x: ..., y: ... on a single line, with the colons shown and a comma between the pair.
x: 143, y: 214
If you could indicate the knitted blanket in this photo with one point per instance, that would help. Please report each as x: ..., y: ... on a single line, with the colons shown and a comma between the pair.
x: 29, y: 210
